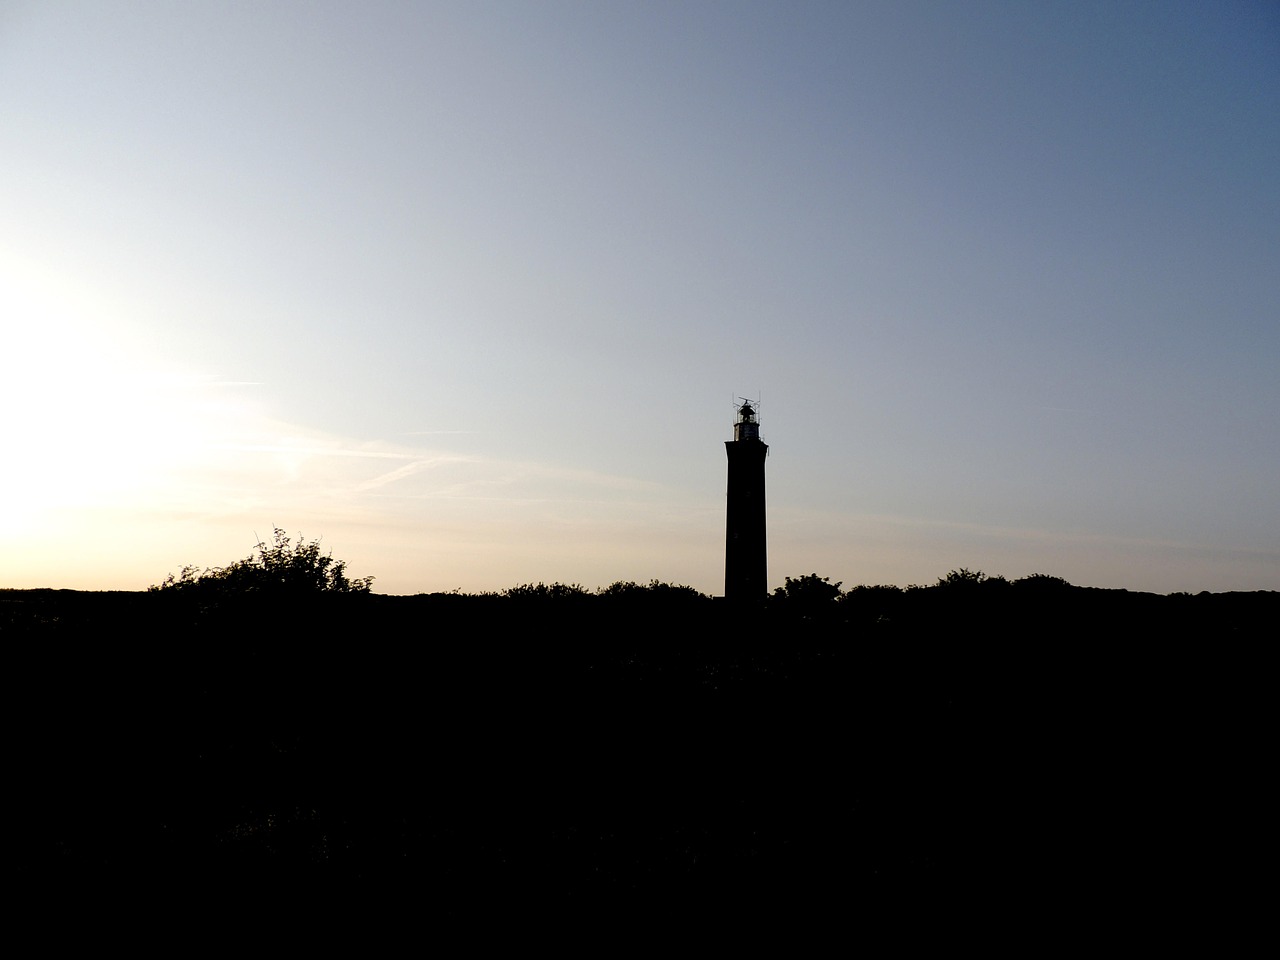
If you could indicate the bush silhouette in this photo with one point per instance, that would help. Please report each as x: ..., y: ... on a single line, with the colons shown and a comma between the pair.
x: 281, y: 568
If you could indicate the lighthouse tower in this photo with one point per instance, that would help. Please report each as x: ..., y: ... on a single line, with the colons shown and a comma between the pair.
x: 744, y: 552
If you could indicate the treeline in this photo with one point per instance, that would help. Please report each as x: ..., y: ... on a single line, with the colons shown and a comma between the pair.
x: 1033, y: 608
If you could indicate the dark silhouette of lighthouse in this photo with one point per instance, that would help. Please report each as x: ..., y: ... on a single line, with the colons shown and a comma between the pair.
x: 744, y: 552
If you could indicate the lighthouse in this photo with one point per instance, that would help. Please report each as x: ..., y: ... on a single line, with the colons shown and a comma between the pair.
x: 745, y: 567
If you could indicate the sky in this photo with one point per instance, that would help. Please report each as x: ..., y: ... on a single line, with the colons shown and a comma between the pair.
x: 467, y: 290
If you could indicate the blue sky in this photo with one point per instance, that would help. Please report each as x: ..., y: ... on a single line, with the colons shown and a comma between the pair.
x: 467, y: 289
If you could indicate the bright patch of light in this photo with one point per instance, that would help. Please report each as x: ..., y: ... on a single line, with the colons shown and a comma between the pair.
x: 88, y: 419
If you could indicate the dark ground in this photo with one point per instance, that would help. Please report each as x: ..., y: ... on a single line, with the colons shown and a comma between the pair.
x: 1079, y: 746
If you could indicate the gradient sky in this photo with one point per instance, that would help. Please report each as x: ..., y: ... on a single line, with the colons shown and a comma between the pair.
x: 467, y: 289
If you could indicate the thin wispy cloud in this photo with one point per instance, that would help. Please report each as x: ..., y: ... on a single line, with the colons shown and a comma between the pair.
x: 408, y: 470
x: 305, y: 450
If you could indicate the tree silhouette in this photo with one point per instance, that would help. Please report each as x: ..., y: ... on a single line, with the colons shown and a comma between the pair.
x: 654, y: 590
x: 811, y: 597
x: 542, y: 592
x: 810, y: 588
x: 964, y: 577
x: 280, y: 568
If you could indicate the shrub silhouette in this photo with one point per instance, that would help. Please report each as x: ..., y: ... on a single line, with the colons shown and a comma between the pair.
x: 810, y: 597
x: 1041, y: 581
x: 542, y: 592
x: 810, y: 588
x: 654, y: 590
x: 280, y: 568
x: 964, y: 577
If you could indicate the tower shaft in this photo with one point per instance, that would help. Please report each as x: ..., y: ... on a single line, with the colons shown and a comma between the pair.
x: 745, y: 556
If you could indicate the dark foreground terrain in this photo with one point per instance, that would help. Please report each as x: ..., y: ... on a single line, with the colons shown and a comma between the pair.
x: 1008, y: 747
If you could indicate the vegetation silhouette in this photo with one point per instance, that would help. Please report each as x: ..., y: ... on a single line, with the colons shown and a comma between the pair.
x: 279, y: 568
x: 276, y: 726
